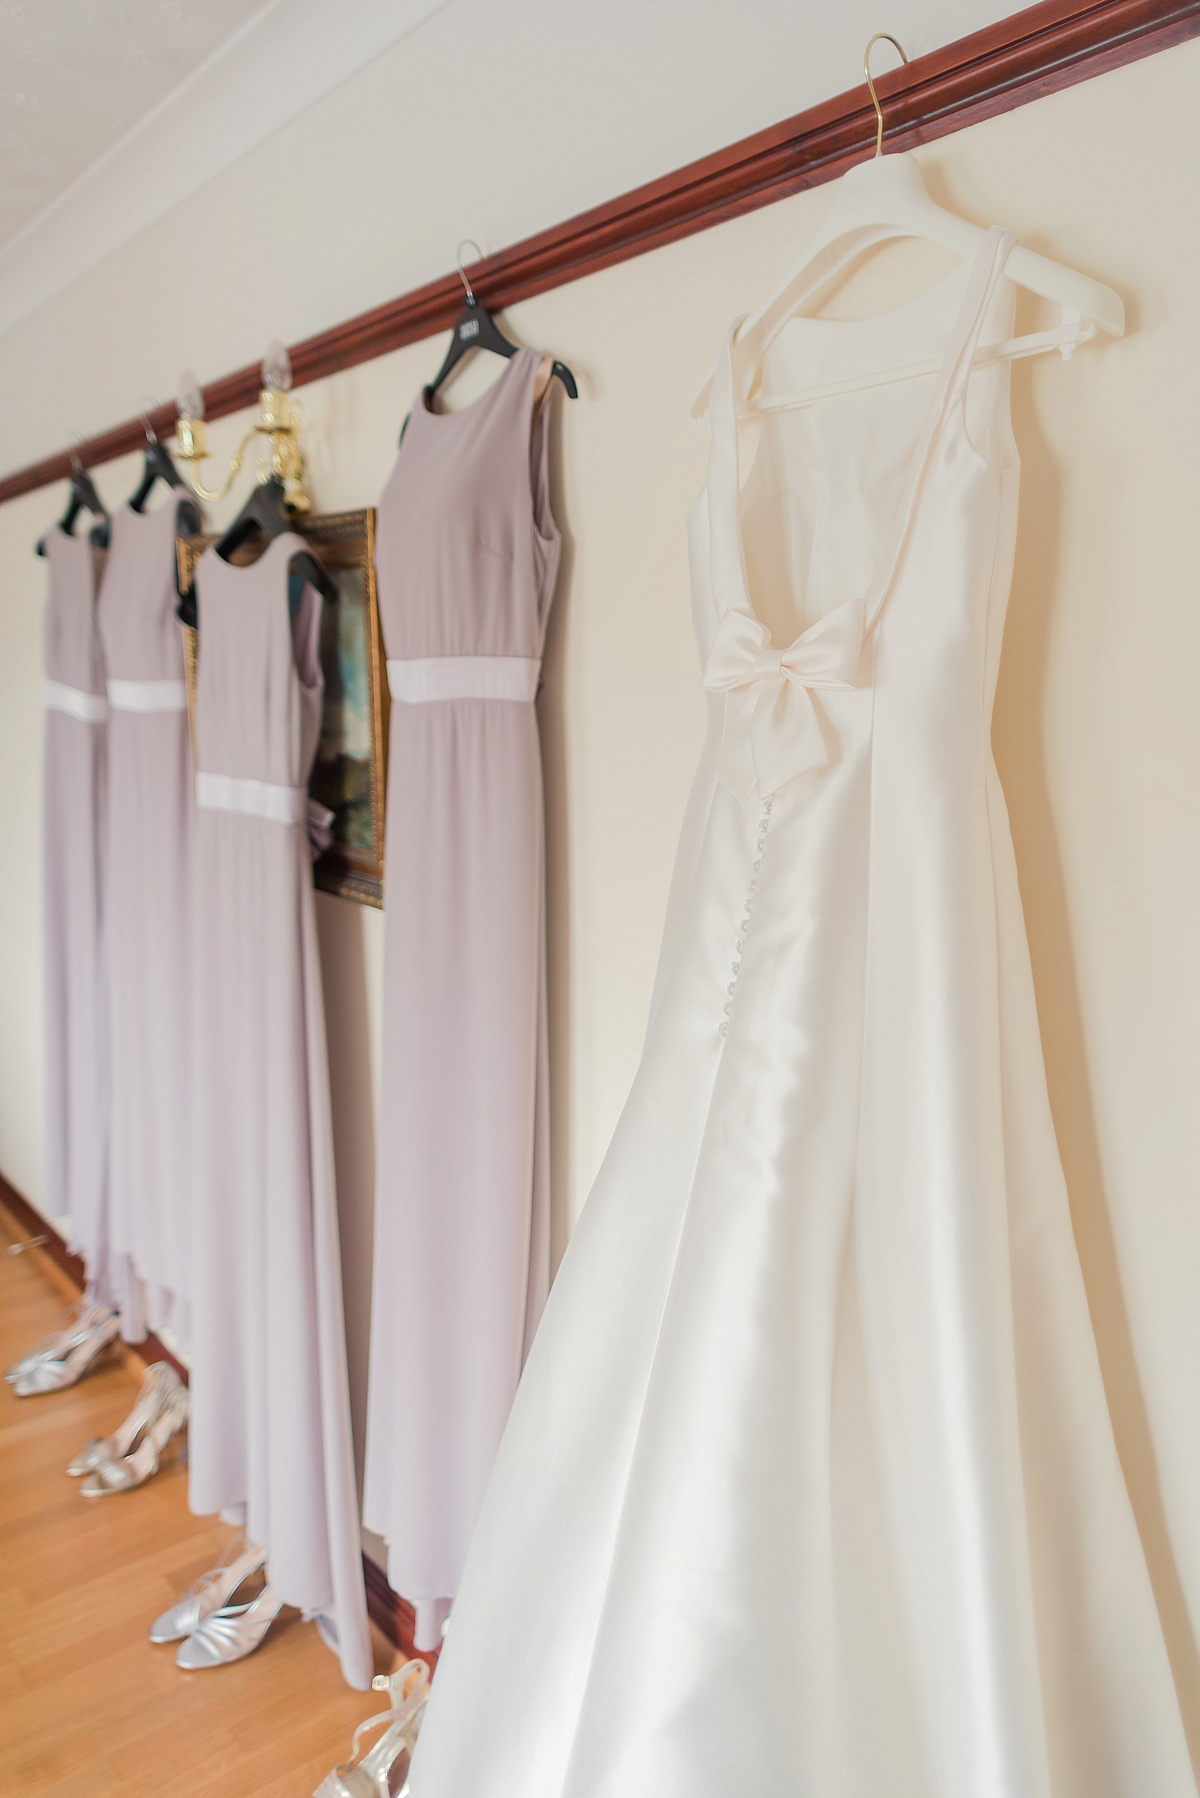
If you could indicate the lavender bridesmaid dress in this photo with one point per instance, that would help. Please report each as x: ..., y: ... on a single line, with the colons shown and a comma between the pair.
x: 270, y: 1424
x: 467, y: 553
x: 147, y: 914
x: 73, y: 849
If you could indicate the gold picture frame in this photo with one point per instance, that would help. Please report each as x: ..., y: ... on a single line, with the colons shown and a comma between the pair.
x: 349, y: 773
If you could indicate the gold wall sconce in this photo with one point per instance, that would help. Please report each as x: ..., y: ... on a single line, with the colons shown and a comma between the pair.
x: 280, y: 419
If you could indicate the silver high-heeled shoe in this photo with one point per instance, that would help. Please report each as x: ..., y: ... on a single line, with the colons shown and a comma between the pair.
x: 54, y: 1373
x: 81, y: 1321
x: 230, y: 1634
x: 159, y: 1382
x: 135, y: 1469
x: 371, y: 1777
x: 211, y: 1592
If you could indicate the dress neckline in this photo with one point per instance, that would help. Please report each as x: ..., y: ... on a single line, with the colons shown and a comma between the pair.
x: 214, y: 559
x: 731, y: 587
x: 166, y: 510
x: 427, y: 411
x: 891, y: 314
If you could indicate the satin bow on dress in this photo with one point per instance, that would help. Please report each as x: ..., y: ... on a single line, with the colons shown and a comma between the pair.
x: 772, y: 729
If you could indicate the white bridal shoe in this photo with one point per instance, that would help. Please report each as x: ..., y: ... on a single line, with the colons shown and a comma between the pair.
x: 72, y: 1352
x: 128, y: 1471
x: 211, y: 1592
x: 370, y: 1777
x: 160, y: 1378
x: 229, y: 1634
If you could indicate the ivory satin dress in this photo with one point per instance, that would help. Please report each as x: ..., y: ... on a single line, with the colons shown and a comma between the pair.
x: 467, y: 554
x: 73, y: 849
x: 147, y: 913
x: 269, y: 1435
x: 810, y: 1487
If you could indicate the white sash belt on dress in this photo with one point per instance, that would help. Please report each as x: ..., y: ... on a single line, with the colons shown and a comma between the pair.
x: 147, y: 695
x: 89, y: 708
x: 464, y: 677
x: 256, y: 798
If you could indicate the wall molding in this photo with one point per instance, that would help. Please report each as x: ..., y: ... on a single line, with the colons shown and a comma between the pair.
x: 33, y: 1223
x: 282, y: 60
x: 393, y: 1615
x: 390, y: 1613
x: 1030, y: 54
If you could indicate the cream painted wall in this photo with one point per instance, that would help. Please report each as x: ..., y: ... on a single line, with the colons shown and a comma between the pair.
x: 1097, y: 728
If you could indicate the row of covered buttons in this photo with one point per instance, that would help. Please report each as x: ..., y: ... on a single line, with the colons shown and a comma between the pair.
x: 759, y: 846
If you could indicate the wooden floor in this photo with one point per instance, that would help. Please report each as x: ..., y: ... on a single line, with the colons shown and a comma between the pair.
x: 87, y: 1706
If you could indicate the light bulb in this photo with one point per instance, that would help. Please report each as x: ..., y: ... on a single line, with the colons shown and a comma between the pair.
x: 189, y: 398
x: 189, y: 429
x: 277, y: 368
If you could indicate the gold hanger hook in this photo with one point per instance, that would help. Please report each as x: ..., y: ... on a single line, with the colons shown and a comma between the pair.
x: 467, y: 243
x: 886, y: 37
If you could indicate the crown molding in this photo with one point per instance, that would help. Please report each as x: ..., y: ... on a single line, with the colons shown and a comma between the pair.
x: 283, y: 60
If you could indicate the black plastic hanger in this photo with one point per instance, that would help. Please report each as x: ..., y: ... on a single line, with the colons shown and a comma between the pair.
x: 476, y: 329
x: 159, y: 466
x: 82, y: 496
x: 265, y: 514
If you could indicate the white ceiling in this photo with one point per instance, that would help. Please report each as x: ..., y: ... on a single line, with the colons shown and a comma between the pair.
x: 75, y: 75
x: 128, y: 107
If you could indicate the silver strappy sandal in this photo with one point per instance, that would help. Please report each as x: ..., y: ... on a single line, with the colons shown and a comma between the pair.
x: 230, y: 1634
x: 371, y: 1777
x: 160, y: 1380
x: 211, y: 1592
x: 132, y: 1470
x: 62, y: 1368
x: 82, y: 1320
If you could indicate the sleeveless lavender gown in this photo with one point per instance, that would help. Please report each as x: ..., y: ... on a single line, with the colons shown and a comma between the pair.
x: 270, y: 1426
x: 147, y: 917
x: 467, y: 554
x: 73, y: 850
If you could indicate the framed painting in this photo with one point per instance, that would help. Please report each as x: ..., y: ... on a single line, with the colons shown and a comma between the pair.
x: 349, y: 773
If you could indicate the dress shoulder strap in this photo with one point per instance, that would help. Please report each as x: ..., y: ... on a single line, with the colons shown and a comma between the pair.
x: 964, y: 341
x: 726, y: 563
x: 948, y: 394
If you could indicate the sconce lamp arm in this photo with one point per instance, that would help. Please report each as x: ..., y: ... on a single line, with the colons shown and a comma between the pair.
x: 235, y: 468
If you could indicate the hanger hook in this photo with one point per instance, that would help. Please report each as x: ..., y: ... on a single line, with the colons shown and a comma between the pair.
x: 76, y: 459
x: 467, y: 243
x: 886, y: 37
x: 148, y: 400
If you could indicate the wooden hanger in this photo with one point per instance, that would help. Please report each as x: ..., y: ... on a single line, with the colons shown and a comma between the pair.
x: 883, y: 199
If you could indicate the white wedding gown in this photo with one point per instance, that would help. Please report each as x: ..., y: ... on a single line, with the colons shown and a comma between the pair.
x: 810, y: 1488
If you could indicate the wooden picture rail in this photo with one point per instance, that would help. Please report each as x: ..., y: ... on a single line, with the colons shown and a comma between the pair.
x: 1021, y: 58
